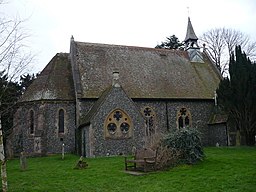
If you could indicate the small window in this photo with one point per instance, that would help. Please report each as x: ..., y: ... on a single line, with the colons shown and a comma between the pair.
x: 112, y: 128
x: 124, y: 127
x: 183, y: 118
x: 61, y: 121
x: 31, y: 122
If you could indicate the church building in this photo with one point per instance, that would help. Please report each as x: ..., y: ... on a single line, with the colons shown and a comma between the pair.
x: 102, y: 99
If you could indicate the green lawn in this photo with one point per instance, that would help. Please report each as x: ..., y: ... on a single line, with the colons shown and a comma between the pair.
x: 224, y: 169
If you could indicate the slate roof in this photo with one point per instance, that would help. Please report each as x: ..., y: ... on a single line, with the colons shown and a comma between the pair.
x: 54, y: 82
x: 144, y: 72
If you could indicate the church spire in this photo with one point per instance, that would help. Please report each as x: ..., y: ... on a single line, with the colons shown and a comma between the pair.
x: 191, y: 38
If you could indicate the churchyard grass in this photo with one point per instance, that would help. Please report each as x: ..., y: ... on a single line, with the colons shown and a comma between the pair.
x: 224, y: 169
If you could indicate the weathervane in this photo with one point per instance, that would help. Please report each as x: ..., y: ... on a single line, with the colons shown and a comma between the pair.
x: 188, y: 11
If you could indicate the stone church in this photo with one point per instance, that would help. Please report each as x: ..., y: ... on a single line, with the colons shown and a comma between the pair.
x: 102, y: 99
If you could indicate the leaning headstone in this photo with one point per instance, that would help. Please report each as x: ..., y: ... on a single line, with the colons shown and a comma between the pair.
x: 81, y: 164
x: 23, y: 161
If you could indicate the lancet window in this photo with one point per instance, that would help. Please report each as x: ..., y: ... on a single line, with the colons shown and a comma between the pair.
x: 183, y: 118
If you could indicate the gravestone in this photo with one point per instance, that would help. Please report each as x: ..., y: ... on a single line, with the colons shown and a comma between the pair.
x: 63, y: 151
x: 23, y: 161
x: 81, y: 164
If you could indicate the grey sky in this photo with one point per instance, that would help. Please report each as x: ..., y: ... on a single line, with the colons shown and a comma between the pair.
x: 127, y: 22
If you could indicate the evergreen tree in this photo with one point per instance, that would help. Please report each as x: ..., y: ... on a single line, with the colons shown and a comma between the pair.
x: 237, y: 94
x: 171, y: 42
x: 25, y: 81
x: 10, y: 92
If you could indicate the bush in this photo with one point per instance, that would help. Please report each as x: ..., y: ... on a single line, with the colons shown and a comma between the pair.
x: 166, y: 157
x: 188, y: 142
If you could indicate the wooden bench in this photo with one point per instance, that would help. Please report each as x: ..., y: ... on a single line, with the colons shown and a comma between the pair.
x: 143, y: 159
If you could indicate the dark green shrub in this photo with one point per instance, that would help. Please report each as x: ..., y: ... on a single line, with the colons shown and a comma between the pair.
x: 188, y: 142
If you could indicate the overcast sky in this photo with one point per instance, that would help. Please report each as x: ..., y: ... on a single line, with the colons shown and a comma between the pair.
x: 124, y: 22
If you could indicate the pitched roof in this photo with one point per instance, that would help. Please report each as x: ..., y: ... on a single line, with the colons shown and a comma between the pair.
x: 85, y: 119
x: 144, y: 72
x: 54, y: 82
x: 217, y: 116
x: 190, y: 35
x: 112, y: 93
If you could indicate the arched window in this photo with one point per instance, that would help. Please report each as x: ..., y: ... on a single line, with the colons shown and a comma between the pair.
x: 31, y: 122
x: 118, y: 125
x: 61, y: 121
x: 183, y: 118
x: 149, y: 115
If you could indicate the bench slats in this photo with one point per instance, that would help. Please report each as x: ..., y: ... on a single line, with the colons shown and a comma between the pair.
x: 143, y: 159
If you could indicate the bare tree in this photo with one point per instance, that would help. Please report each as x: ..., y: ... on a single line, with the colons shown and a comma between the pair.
x: 14, y: 60
x: 220, y: 42
x: 14, y: 57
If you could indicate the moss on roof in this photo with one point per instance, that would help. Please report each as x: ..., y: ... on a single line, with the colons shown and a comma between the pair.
x: 55, y: 82
x: 144, y: 72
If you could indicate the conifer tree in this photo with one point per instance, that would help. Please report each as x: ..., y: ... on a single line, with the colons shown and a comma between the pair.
x: 237, y: 94
x: 10, y: 92
x: 171, y: 42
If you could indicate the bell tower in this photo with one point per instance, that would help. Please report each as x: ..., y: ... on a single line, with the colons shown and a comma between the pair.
x: 191, y: 45
x: 191, y: 38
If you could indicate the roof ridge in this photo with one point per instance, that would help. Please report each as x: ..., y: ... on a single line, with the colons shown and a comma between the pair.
x: 129, y: 46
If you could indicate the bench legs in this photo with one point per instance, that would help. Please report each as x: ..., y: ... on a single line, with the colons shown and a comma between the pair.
x: 145, y: 166
x: 132, y: 166
x: 128, y: 164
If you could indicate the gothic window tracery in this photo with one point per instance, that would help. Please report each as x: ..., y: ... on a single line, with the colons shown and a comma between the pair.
x: 112, y: 128
x: 124, y: 127
x: 118, y: 125
x: 183, y: 118
x: 117, y: 115
x: 149, y: 115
